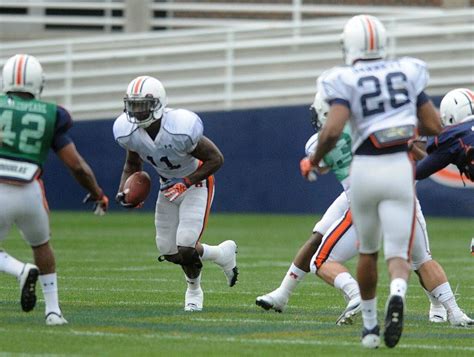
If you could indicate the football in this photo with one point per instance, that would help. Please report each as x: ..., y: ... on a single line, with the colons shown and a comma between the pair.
x: 137, y: 187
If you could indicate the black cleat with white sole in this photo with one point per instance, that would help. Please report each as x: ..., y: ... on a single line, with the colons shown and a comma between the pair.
x: 28, y: 279
x: 393, y: 320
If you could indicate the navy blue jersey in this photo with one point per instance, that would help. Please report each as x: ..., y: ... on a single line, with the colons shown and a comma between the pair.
x: 455, y: 145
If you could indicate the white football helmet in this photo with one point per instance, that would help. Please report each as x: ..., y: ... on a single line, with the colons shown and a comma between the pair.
x: 145, y: 101
x: 319, y: 112
x: 456, y: 106
x: 23, y: 73
x: 364, y: 37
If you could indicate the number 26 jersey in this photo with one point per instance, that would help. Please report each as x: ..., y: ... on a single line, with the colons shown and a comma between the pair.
x: 169, y: 153
x: 380, y: 94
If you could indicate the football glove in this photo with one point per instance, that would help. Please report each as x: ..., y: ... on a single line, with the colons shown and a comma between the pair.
x: 99, y: 205
x: 120, y: 199
x: 175, y: 187
x: 307, y: 170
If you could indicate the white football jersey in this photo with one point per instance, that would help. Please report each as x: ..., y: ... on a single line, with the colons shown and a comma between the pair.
x: 380, y: 94
x: 169, y: 153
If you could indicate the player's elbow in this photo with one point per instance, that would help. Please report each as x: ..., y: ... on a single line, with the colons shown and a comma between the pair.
x: 219, y: 160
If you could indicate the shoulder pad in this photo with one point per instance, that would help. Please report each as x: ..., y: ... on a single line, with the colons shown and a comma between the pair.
x: 122, y: 127
x: 183, y: 122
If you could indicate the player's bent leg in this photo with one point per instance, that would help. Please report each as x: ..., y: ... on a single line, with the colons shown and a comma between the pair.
x: 28, y: 278
x: 337, y: 275
x: 192, y: 265
x: 440, y: 290
x: 26, y: 274
x: 224, y: 255
x: 278, y: 298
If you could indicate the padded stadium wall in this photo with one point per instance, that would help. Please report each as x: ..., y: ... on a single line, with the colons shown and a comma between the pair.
x: 262, y: 150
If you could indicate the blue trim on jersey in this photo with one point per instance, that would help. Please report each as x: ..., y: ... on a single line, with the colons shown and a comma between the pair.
x: 63, y: 123
x: 422, y: 99
x: 341, y: 102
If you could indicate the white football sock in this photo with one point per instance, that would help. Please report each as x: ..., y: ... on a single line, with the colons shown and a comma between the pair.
x: 347, y: 284
x: 211, y: 252
x: 369, y: 313
x: 444, y: 294
x: 10, y: 265
x: 193, y: 284
x: 293, y: 276
x: 435, y: 302
x: 49, y: 283
x: 398, y: 286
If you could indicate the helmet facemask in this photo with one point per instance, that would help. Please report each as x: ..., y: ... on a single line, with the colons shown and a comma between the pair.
x: 142, y: 111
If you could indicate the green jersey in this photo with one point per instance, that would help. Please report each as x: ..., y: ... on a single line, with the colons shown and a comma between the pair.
x: 26, y: 129
x: 340, y: 157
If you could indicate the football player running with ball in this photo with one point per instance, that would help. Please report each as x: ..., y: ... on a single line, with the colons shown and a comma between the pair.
x: 382, y: 99
x: 172, y: 141
x: 29, y: 128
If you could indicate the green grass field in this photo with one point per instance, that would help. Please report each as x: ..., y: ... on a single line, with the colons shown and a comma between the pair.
x: 120, y: 301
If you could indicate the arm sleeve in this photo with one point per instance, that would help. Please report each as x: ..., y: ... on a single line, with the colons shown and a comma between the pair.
x: 61, y: 137
x: 418, y: 74
x: 431, y: 164
x: 332, y: 87
x: 422, y: 99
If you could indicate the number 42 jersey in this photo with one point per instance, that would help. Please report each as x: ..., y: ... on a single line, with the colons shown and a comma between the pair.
x: 169, y: 153
x: 380, y: 94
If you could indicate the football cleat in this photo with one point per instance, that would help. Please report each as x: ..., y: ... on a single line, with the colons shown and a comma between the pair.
x: 352, y: 309
x: 393, y: 320
x: 438, y: 314
x: 228, y: 261
x: 193, y: 300
x: 55, y: 319
x: 460, y: 319
x: 28, y: 278
x: 371, y: 338
x: 273, y: 300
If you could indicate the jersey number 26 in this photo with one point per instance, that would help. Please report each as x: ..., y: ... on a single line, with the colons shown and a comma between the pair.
x: 395, y: 84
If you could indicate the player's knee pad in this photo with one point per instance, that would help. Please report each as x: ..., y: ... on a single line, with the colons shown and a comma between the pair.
x: 190, y: 257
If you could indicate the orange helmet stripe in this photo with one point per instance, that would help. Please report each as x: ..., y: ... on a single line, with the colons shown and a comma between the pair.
x: 138, y: 84
x: 470, y: 94
x: 371, y: 28
x: 19, y: 70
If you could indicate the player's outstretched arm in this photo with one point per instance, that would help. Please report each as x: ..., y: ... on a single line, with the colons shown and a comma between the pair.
x: 85, y: 176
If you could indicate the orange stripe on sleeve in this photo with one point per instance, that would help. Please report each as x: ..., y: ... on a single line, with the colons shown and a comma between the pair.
x: 329, y: 243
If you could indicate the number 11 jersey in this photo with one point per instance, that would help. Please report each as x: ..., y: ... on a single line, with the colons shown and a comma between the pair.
x: 170, y: 152
x: 380, y: 94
